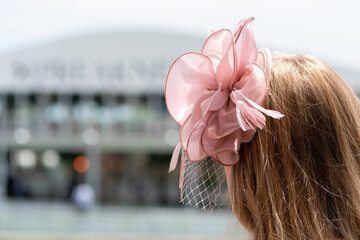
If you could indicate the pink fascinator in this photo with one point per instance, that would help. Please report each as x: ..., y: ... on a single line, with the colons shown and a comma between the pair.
x: 217, y: 96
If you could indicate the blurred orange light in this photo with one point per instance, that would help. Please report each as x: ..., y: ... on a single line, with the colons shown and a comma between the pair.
x: 81, y: 164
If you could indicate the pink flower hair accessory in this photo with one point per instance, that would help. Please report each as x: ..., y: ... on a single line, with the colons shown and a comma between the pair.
x: 217, y: 96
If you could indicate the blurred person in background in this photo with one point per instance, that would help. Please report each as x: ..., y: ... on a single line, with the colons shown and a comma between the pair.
x: 83, y: 196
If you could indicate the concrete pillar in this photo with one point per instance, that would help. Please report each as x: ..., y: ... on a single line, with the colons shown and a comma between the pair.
x: 94, y: 177
x: 3, y: 146
x: 65, y: 128
x: 91, y: 138
x: 41, y: 126
x: 109, y: 102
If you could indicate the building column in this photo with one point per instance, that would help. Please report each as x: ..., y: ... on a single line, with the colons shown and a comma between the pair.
x: 3, y: 146
x: 94, y: 177
x: 91, y: 138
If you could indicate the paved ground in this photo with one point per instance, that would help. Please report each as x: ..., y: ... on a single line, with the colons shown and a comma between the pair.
x: 55, y: 221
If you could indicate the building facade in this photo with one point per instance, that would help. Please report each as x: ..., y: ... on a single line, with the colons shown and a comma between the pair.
x: 91, y: 109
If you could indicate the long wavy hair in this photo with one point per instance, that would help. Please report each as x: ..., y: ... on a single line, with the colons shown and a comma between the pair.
x: 300, y: 176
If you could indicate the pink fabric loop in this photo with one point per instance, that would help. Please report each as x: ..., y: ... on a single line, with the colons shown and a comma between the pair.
x: 175, y: 157
x: 217, y: 95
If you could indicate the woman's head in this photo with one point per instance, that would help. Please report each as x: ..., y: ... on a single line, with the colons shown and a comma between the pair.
x: 299, y: 178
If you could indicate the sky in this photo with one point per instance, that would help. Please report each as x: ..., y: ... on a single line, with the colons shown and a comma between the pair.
x: 326, y: 29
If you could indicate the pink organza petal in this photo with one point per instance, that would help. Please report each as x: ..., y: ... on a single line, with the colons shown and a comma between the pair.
x: 188, y: 77
x: 220, y: 99
x: 200, y: 108
x: 227, y: 158
x: 223, y: 122
x: 253, y: 83
x: 213, y: 147
x: 219, y: 47
x: 245, y: 45
x: 175, y: 157
x: 195, y: 151
x: 241, y: 24
x: 191, y: 131
x: 247, y: 136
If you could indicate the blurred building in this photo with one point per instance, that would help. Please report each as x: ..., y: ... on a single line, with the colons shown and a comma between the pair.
x: 91, y: 110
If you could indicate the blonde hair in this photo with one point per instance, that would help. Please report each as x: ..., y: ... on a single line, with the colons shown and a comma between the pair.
x: 300, y: 176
